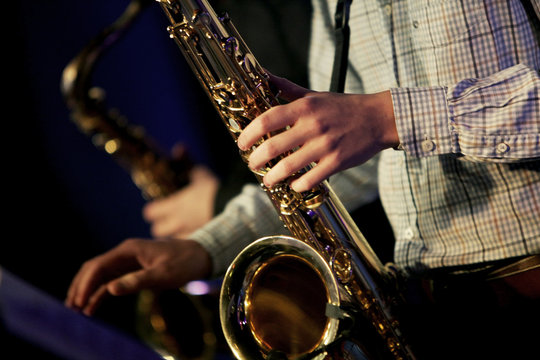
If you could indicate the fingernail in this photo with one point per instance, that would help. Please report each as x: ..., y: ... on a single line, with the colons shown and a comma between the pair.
x: 70, y: 305
x: 267, y: 182
x: 117, y: 287
x: 88, y: 312
x: 250, y: 165
x: 241, y: 145
x: 296, y: 185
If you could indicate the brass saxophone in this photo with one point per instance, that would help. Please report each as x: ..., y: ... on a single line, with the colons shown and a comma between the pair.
x: 162, y: 317
x: 322, y: 293
x: 154, y: 173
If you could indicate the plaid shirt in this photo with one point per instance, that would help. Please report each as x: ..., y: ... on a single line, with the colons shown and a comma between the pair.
x: 465, y: 189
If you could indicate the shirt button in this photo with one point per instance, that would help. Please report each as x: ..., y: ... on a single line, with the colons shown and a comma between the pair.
x: 408, y: 234
x: 428, y: 145
x: 388, y: 9
x: 415, y: 24
x: 502, y: 148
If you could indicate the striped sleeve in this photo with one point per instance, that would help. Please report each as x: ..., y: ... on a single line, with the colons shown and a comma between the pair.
x: 247, y: 217
x: 491, y: 119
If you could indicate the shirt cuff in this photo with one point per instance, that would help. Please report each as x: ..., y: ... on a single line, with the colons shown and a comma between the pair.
x: 422, y: 121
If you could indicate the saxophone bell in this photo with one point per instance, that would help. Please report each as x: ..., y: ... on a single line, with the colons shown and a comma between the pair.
x: 281, y: 299
x: 278, y: 303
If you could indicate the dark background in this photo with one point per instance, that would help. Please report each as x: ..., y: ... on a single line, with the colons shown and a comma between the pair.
x: 66, y: 200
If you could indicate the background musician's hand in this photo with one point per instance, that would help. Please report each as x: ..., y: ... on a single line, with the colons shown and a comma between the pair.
x: 134, y: 265
x: 335, y: 131
x: 186, y: 210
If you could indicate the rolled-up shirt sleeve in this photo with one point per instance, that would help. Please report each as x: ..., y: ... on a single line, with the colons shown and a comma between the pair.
x: 491, y: 119
x: 247, y: 217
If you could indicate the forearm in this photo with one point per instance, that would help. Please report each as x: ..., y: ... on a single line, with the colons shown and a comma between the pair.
x: 247, y: 217
x: 492, y: 119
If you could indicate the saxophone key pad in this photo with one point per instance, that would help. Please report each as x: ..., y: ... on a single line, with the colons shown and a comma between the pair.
x: 234, y: 126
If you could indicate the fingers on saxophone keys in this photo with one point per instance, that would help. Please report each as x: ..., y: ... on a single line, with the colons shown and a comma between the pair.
x: 314, y: 177
x: 287, y: 168
x: 280, y: 144
x: 272, y: 120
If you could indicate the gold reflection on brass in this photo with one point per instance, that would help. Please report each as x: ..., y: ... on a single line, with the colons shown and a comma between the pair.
x: 286, y: 306
x: 111, y: 146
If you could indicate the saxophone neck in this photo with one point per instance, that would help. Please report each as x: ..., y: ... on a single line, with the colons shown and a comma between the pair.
x: 152, y: 171
x: 76, y: 77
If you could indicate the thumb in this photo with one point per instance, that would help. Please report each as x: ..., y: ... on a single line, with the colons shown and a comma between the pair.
x: 289, y: 91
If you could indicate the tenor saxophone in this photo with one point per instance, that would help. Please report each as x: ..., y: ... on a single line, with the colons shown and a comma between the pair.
x: 322, y: 292
x: 162, y: 317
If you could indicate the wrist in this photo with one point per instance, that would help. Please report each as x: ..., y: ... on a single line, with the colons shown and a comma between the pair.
x: 384, y: 114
